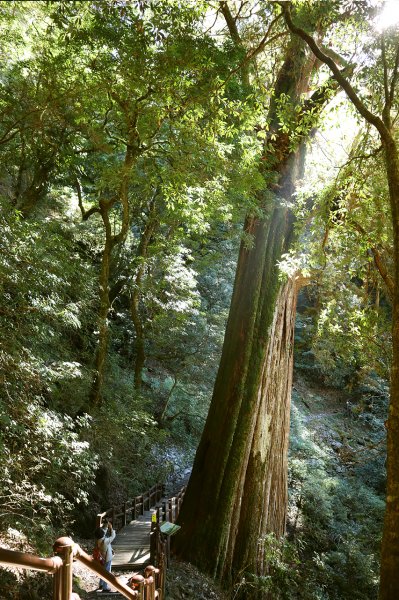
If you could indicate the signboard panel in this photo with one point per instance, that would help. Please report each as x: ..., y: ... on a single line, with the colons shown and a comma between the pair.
x: 169, y: 528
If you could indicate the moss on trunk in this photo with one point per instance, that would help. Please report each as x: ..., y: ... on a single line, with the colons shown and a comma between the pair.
x: 389, y: 585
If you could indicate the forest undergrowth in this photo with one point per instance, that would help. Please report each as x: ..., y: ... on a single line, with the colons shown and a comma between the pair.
x: 337, y: 486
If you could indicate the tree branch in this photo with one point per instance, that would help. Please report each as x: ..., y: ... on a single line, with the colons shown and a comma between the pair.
x: 86, y: 214
x: 343, y: 82
x: 230, y: 22
x: 235, y: 36
x: 378, y: 260
x: 265, y: 40
x: 240, y: 9
x: 394, y: 77
x: 372, y: 154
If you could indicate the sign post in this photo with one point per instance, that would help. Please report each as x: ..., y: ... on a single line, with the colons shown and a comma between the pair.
x: 168, y: 529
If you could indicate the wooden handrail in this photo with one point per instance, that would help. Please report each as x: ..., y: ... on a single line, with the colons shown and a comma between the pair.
x: 26, y: 560
x: 159, y: 544
x: 61, y: 567
x: 90, y: 563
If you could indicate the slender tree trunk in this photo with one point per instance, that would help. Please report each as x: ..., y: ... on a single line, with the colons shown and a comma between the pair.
x: 102, y: 347
x: 139, y: 341
x: 165, y: 405
x: 389, y: 584
x: 110, y: 242
x: 142, y: 252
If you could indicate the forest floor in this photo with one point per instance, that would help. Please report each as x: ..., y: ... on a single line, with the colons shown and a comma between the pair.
x: 337, y: 419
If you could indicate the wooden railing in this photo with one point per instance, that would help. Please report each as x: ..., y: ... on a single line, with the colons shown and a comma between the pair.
x: 167, y: 511
x: 61, y: 567
x: 131, y: 509
x: 150, y: 586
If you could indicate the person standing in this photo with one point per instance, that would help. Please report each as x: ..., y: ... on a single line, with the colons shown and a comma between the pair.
x: 104, y: 538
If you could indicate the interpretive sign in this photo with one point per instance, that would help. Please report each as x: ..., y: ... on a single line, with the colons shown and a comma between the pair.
x: 169, y: 528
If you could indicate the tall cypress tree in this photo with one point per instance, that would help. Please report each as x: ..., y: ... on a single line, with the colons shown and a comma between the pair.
x: 238, y: 489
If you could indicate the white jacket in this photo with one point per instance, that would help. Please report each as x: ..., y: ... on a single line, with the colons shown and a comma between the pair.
x: 105, y: 545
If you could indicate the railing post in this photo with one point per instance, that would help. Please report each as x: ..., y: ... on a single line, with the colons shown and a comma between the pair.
x: 153, y: 537
x: 141, y: 504
x: 124, y: 514
x: 150, y: 574
x: 159, y: 492
x: 57, y: 585
x: 162, y: 568
x: 62, y: 589
x: 168, y: 551
x: 137, y: 582
x: 170, y: 511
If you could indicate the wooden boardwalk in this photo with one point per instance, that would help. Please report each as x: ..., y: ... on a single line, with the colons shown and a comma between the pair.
x: 132, y: 544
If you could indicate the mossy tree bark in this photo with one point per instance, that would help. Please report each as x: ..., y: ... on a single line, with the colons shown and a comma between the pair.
x: 243, y: 447
x: 267, y: 464
x: 240, y: 465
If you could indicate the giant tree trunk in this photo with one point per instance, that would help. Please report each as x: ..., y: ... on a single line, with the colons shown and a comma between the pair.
x: 267, y: 465
x: 240, y: 464
x: 237, y: 491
